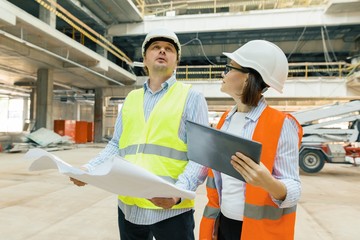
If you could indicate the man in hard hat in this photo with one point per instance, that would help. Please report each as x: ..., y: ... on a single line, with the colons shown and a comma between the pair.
x: 150, y: 132
x: 263, y: 207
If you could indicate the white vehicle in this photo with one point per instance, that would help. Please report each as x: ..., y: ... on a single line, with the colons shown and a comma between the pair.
x: 331, y: 134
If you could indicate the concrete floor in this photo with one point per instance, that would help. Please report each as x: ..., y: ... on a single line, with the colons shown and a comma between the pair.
x: 45, y: 205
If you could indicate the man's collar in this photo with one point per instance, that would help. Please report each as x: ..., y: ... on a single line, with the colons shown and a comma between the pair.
x: 168, y: 83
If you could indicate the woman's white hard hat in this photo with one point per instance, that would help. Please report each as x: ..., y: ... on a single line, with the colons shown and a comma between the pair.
x: 161, y: 34
x: 266, y: 58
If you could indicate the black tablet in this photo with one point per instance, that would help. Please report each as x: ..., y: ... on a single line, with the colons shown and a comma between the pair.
x: 213, y: 148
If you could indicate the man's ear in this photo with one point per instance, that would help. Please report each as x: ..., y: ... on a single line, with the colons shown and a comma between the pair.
x: 144, y: 58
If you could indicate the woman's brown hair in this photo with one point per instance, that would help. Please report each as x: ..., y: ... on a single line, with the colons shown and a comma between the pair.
x: 252, y: 91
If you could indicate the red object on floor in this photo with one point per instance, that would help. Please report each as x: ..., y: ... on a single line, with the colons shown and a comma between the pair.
x: 65, y: 128
x: 81, y: 132
x: 90, y: 131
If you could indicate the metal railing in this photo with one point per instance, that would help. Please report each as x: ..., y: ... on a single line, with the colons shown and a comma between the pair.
x: 304, y: 70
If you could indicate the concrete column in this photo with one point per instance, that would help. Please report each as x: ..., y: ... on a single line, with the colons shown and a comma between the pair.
x: 26, y: 116
x: 77, y: 112
x: 48, y: 16
x: 98, y: 115
x: 32, y: 116
x: 44, y: 99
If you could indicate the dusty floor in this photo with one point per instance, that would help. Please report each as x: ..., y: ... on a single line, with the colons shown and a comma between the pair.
x: 45, y: 205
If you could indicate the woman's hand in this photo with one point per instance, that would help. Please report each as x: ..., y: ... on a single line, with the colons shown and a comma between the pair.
x: 255, y: 174
x: 258, y: 175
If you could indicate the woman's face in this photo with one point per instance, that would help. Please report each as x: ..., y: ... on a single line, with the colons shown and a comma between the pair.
x: 234, y: 80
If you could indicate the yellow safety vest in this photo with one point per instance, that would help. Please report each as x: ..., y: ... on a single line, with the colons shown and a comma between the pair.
x: 155, y: 144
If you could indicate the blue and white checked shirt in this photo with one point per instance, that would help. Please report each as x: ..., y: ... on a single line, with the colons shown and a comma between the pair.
x: 194, y: 174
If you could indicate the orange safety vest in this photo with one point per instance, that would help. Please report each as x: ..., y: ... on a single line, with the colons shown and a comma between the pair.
x: 263, y: 219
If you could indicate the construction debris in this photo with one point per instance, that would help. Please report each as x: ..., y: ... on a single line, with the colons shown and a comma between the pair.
x: 41, y: 138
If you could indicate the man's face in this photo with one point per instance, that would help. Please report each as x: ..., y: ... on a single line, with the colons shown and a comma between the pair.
x: 161, y: 56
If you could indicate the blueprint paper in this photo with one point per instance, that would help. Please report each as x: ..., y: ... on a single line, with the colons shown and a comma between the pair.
x: 115, y: 175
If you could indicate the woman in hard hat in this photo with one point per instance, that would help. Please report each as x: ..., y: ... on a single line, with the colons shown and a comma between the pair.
x: 264, y: 206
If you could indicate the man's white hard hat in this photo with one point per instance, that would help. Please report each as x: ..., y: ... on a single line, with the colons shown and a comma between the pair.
x: 266, y: 58
x: 161, y: 34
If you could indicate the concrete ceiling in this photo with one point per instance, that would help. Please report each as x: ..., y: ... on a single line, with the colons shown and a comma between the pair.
x: 166, y: 7
x: 329, y: 30
x: 103, y: 14
x: 27, y: 44
x: 342, y: 37
x: 98, y: 14
x: 203, y: 45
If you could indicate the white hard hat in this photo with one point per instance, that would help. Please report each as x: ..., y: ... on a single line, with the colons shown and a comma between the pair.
x: 266, y: 58
x: 161, y: 34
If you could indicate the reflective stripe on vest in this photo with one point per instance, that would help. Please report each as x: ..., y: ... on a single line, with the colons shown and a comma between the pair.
x: 210, y: 183
x: 154, y: 149
x: 266, y: 212
x: 154, y: 144
x: 211, y: 212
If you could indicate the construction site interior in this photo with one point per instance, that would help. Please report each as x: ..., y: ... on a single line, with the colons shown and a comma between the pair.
x: 66, y: 67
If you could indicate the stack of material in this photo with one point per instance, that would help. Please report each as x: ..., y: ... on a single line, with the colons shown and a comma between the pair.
x: 41, y: 138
